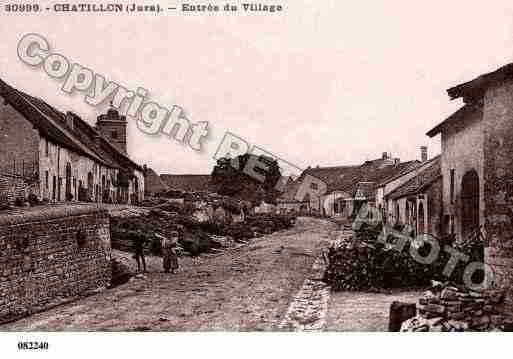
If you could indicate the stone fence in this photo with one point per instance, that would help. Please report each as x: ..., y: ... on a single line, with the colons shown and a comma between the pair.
x: 51, y: 255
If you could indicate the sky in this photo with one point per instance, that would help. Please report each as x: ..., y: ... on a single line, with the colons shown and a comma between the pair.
x: 324, y: 82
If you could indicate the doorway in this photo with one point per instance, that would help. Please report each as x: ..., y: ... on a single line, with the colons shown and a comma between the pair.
x: 469, y: 203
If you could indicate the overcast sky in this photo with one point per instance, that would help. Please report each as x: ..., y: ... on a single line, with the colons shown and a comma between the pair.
x: 325, y: 82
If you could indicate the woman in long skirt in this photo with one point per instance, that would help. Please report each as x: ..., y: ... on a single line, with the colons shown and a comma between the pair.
x: 169, y: 256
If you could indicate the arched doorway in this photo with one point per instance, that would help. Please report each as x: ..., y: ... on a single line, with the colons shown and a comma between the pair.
x: 469, y: 203
x: 421, y: 220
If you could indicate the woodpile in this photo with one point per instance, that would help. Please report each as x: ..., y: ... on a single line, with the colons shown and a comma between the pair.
x: 363, y: 263
x: 449, y: 308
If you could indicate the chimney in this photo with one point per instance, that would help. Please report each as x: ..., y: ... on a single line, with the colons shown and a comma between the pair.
x: 397, y: 161
x: 69, y: 119
x: 384, y: 155
x: 423, y: 153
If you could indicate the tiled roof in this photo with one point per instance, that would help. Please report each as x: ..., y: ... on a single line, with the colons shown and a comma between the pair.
x: 346, y: 178
x: 52, y: 125
x: 476, y: 86
x: 459, y: 117
x: 418, y: 183
x: 187, y: 182
x: 351, y: 178
x: 45, y: 119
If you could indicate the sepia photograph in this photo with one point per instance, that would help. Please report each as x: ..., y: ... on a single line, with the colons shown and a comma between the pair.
x: 233, y: 176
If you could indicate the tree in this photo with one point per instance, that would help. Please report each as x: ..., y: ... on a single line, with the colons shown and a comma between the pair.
x: 233, y: 177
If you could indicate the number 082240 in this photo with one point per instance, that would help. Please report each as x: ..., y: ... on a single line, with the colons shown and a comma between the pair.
x: 33, y: 345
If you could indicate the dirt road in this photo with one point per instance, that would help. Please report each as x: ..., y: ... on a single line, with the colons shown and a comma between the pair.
x: 243, y: 289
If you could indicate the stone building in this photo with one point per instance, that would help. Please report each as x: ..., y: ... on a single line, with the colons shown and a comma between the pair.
x: 462, y: 166
x: 348, y: 187
x: 477, y: 166
x: 188, y: 182
x: 61, y: 156
x: 418, y: 201
x: 153, y: 183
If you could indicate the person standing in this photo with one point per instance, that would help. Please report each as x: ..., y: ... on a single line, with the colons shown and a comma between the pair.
x: 139, y: 240
x: 169, y: 256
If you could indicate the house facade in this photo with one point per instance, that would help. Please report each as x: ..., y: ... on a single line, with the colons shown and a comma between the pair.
x: 418, y: 201
x: 477, y: 168
x: 60, y: 157
x: 462, y: 167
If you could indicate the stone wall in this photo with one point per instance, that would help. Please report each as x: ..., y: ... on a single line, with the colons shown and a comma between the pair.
x: 498, y: 164
x: 51, y: 255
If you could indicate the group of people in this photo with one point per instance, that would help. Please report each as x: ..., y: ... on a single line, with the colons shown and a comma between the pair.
x: 169, y: 255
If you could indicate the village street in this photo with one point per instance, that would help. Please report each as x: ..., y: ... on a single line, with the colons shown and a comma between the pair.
x: 268, y: 284
x: 246, y: 288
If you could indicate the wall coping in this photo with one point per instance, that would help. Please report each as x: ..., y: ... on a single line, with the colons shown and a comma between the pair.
x: 10, y: 175
x: 48, y: 212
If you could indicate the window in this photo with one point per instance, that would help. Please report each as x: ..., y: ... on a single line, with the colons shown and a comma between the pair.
x: 114, y: 135
x: 314, y: 186
x: 452, y: 186
x: 46, y: 179
x: 47, y: 148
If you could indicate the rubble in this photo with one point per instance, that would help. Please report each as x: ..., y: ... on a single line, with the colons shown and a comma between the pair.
x: 196, y: 236
x: 446, y: 307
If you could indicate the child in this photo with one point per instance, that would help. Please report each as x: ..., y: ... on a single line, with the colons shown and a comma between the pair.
x: 138, y: 241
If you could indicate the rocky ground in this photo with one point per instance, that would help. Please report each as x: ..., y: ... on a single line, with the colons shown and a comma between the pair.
x: 271, y: 283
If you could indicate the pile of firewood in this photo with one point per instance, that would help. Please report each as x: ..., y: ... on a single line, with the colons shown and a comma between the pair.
x: 448, y: 307
x: 357, y: 264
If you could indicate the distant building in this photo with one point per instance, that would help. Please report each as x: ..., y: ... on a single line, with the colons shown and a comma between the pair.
x: 60, y: 157
x: 348, y: 187
x: 418, y: 201
x: 188, y: 182
x: 153, y: 183
x: 112, y: 126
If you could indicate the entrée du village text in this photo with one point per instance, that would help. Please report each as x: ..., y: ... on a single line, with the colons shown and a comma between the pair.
x: 184, y: 7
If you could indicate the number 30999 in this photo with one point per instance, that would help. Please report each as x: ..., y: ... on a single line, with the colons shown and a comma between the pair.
x: 22, y: 8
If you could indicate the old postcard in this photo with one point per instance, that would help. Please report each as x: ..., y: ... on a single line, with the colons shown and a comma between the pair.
x: 283, y: 166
